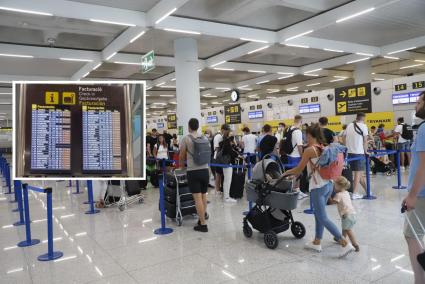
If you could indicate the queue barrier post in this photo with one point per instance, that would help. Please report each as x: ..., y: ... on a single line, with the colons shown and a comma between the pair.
x: 77, y: 186
x: 163, y: 230
x: 91, y: 201
x: 249, y: 165
x: 29, y: 241
x: 6, y: 175
x: 369, y: 195
x: 399, y: 185
x: 51, y: 254
x: 18, y: 190
x: 70, y: 183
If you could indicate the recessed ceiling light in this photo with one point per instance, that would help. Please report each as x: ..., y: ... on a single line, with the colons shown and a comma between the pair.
x: 216, y: 64
x: 401, y: 50
x: 342, y: 77
x: 379, y: 79
x: 285, y: 77
x: 85, y: 75
x: 355, y: 15
x: 16, y: 55
x: 311, y: 75
x: 358, y: 60
x: 254, y: 40
x: 297, y: 45
x: 97, y: 66
x: 76, y: 59
x: 167, y: 96
x: 417, y: 60
x: 137, y: 36
x: 364, y: 54
x: 333, y: 50
x: 258, y: 49
x: 256, y: 71
x: 314, y: 70
x: 25, y: 11
x: 262, y: 82
x: 127, y: 63
x: 391, y: 57
x: 182, y: 31
x: 270, y: 97
x: 160, y: 84
x: 299, y: 35
x: 166, y: 15
x: 110, y: 56
x: 313, y: 84
x: 224, y: 69
x: 411, y: 66
x: 336, y: 80
x: 112, y: 22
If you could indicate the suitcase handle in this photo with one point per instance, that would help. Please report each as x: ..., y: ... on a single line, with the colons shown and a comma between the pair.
x: 403, y: 210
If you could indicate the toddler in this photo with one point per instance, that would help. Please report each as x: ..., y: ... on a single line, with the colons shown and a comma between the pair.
x: 345, y: 209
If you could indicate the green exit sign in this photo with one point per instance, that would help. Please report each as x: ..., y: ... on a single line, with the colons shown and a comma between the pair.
x: 148, y: 61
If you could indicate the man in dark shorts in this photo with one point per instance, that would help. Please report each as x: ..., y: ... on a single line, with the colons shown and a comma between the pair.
x: 197, y: 175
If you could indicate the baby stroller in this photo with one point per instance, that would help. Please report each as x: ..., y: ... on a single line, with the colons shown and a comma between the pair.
x: 123, y: 193
x: 274, y: 201
x: 378, y: 166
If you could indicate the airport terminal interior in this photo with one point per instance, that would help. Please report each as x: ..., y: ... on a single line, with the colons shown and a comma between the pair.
x: 251, y: 77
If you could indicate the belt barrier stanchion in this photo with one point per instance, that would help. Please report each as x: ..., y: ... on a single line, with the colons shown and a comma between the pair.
x: 50, y: 255
x: 90, y: 195
x: 70, y: 183
x: 399, y: 185
x: 18, y: 190
x: 77, y: 186
x: 6, y: 175
x: 163, y: 230
x: 88, y: 198
x: 368, y: 196
x: 28, y: 241
x: 249, y: 178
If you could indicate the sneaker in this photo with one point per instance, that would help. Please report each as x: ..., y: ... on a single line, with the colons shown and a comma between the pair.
x: 403, y: 169
x: 357, y: 248
x: 356, y: 196
x: 346, y: 250
x: 201, y: 228
x: 230, y: 200
x: 311, y: 246
x: 302, y: 195
x: 207, y: 216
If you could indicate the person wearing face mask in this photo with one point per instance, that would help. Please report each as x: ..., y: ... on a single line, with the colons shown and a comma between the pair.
x: 415, y: 200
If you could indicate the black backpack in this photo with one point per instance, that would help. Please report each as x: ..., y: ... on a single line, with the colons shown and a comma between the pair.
x: 286, y: 146
x: 407, y: 132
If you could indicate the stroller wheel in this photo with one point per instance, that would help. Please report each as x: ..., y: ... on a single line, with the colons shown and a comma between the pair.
x: 270, y: 239
x: 247, y: 231
x: 298, y: 230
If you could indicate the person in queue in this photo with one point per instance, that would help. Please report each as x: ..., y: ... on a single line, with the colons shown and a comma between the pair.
x: 218, y: 138
x: 160, y: 150
x: 197, y: 175
x: 320, y: 192
x: 228, y: 146
x: 168, y: 139
x: 357, y: 147
x: 330, y: 136
x: 269, y: 141
x: 249, y: 142
x: 402, y: 144
x: 342, y: 134
x: 415, y: 200
x: 280, y: 133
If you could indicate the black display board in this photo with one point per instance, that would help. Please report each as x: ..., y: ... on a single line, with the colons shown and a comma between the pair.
x: 171, y: 121
x: 77, y: 130
x: 232, y: 114
x: 353, y: 99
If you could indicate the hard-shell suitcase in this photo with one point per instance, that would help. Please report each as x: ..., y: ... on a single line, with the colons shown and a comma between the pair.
x: 154, y: 177
x: 187, y: 208
x: 172, y: 182
x: 171, y: 193
x: 420, y: 257
x: 238, y: 183
x: 132, y: 187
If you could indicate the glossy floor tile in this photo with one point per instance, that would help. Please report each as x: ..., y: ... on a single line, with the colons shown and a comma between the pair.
x: 121, y: 247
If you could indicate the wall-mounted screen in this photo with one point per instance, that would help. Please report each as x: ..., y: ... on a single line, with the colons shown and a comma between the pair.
x: 405, y: 98
x: 212, y: 119
x: 255, y: 114
x: 309, y: 108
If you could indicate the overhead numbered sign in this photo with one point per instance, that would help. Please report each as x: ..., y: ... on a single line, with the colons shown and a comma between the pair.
x: 171, y: 121
x: 232, y: 114
x: 148, y: 61
x: 353, y: 99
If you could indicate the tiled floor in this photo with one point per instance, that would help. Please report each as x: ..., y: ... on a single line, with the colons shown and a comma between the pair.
x: 120, y: 247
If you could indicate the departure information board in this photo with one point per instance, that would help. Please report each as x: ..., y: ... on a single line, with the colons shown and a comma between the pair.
x: 51, y: 138
x: 80, y: 130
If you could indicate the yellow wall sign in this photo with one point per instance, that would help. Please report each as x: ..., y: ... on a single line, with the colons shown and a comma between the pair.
x: 68, y: 98
x: 341, y: 107
x: 376, y: 118
x: 51, y: 98
x: 334, y: 123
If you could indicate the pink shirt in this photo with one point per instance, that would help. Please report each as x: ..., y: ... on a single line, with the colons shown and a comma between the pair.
x: 344, y: 203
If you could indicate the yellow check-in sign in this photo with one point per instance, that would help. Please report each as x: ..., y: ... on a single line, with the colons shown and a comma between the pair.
x: 51, y: 98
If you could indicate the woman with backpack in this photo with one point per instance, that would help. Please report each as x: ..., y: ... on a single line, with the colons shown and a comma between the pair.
x: 320, y: 191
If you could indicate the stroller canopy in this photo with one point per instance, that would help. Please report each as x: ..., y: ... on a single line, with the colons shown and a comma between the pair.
x: 266, y: 167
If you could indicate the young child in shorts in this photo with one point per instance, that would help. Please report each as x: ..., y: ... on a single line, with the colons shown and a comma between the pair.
x: 345, y: 209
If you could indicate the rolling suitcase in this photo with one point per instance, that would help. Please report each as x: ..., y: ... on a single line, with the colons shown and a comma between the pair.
x: 171, y: 194
x: 132, y: 187
x: 348, y: 174
x: 154, y: 177
x: 238, y: 183
x: 420, y: 257
x: 172, y: 182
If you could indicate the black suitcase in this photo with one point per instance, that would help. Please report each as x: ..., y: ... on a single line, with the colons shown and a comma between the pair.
x: 143, y: 184
x: 171, y: 194
x: 238, y: 184
x: 172, y: 182
x: 187, y: 208
x: 132, y: 187
x: 154, y: 177
x: 348, y: 174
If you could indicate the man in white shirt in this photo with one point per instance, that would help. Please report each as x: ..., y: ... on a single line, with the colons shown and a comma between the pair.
x: 402, y: 144
x: 249, y: 143
x: 356, y: 141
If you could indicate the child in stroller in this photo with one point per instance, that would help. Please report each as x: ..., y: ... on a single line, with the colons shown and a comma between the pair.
x: 274, y: 201
x: 382, y: 165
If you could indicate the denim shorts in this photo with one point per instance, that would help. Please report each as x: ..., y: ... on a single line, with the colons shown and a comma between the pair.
x: 358, y: 165
x: 403, y: 146
x: 348, y: 221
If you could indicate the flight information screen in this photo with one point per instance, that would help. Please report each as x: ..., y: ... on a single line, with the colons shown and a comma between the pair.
x: 101, y: 139
x: 76, y: 129
x: 51, y: 138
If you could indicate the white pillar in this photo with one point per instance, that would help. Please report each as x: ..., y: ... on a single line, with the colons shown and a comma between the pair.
x: 187, y: 81
x: 363, y: 72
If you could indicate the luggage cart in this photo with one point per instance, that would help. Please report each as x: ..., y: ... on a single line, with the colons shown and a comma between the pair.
x: 182, y: 208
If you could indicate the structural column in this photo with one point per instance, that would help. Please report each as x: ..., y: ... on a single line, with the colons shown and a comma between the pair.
x: 363, y: 72
x: 187, y: 81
